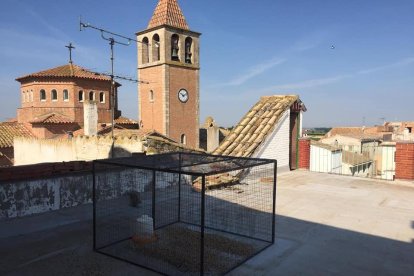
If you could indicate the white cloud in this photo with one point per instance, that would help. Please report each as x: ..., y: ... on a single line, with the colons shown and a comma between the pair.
x: 328, y: 80
x: 308, y: 83
x: 255, y: 71
x: 402, y: 62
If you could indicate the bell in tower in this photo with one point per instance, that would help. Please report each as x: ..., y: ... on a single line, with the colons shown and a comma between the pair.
x: 175, y: 48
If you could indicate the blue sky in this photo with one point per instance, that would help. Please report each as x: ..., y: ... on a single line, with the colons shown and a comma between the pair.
x: 248, y: 49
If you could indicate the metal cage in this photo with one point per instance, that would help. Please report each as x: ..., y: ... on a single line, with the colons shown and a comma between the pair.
x: 184, y: 213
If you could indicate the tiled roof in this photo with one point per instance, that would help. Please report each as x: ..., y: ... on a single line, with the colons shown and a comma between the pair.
x: 68, y: 70
x: 255, y: 126
x: 125, y: 121
x: 168, y: 12
x: 357, y: 132
x: 354, y: 159
x: 52, y: 118
x: 9, y: 130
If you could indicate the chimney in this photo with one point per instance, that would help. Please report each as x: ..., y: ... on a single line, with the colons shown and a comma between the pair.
x: 213, y: 132
x: 90, y: 118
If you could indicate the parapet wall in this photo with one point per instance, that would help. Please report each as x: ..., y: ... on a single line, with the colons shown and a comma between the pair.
x: 35, y: 189
x: 33, y: 150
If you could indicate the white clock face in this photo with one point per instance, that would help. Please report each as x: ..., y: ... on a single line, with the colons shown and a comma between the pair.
x: 183, y: 95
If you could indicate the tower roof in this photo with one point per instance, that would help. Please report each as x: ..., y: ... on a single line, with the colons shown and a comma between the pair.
x: 168, y: 12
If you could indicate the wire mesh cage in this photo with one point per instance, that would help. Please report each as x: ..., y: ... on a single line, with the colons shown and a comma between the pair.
x: 184, y: 213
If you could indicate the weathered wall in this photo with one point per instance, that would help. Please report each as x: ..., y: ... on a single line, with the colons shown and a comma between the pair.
x: 78, y: 148
x: 34, y: 193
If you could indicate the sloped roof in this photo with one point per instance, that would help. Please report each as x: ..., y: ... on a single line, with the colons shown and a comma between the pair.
x: 9, y: 130
x: 325, y: 146
x: 168, y: 12
x: 357, y: 132
x: 354, y: 159
x: 255, y: 126
x: 125, y: 121
x: 69, y: 70
x: 52, y: 118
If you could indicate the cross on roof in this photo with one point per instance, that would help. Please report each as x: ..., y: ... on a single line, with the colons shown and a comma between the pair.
x: 70, y: 47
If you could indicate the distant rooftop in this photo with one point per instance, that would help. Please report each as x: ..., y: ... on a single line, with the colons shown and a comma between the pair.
x: 9, y: 130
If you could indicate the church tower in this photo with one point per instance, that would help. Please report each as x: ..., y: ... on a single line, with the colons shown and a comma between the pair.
x: 168, y: 59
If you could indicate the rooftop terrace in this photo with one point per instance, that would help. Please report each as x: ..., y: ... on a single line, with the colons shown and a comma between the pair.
x: 325, y: 224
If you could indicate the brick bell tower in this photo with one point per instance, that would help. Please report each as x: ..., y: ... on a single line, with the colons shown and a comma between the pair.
x: 168, y: 58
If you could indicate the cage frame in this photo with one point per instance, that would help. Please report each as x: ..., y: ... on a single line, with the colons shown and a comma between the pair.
x: 179, y: 170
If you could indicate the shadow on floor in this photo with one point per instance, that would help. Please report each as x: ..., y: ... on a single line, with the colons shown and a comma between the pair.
x: 302, y: 247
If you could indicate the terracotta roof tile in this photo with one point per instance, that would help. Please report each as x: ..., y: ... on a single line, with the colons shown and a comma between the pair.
x: 52, y: 118
x: 255, y: 126
x: 168, y: 12
x: 68, y: 70
x: 9, y: 130
x: 357, y: 132
x: 125, y: 121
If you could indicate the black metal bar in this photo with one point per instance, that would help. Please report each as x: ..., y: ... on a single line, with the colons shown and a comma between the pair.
x: 237, y: 168
x: 113, y: 243
x: 153, y: 197
x: 274, y: 202
x: 204, y: 162
x: 233, y: 157
x: 203, y: 202
x: 248, y: 258
x: 166, y: 225
x: 94, y: 205
x: 150, y: 168
x: 267, y: 161
x: 227, y: 232
x: 179, y: 188
x: 130, y: 262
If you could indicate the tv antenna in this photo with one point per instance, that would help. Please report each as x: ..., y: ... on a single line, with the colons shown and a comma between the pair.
x: 113, y: 39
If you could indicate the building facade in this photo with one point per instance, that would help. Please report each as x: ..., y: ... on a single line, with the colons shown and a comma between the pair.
x: 52, y: 101
x: 168, y: 62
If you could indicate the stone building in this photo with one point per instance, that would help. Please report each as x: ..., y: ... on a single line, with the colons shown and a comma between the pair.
x: 168, y: 58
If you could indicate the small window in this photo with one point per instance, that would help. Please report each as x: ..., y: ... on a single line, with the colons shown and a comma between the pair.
x: 65, y: 95
x: 91, y: 96
x: 145, y: 50
x: 183, y: 139
x: 54, y: 95
x: 155, y: 47
x: 102, y: 97
x: 151, y: 96
x: 42, y: 95
x: 31, y: 95
x: 410, y: 129
x: 80, y: 96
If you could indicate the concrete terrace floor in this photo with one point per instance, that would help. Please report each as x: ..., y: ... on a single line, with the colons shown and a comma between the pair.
x: 325, y: 225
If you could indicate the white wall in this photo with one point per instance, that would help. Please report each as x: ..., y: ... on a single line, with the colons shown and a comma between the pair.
x: 347, y: 143
x: 387, y: 162
x: 276, y: 145
x: 324, y: 160
x: 32, y: 150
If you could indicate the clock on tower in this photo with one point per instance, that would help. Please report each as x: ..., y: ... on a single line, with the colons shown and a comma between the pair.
x: 168, y: 58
